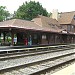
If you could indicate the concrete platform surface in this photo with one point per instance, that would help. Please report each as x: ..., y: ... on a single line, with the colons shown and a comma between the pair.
x: 70, y: 70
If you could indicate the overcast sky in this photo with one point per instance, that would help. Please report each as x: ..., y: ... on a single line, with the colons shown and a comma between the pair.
x: 61, y: 5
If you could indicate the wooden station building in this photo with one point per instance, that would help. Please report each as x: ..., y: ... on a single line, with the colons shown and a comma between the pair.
x: 41, y: 30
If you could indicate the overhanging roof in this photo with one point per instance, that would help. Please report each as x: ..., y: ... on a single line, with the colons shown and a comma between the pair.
x: 29, y: 25
x: 66, y: 17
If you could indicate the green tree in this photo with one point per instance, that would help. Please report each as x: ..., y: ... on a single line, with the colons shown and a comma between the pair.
x: 3, y: 13
x: 30, y: 10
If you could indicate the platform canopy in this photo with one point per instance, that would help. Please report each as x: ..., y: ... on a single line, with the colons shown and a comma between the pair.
x: 27, y: 25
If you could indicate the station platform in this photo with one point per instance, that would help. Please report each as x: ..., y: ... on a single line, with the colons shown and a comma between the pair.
x: 70, y: 70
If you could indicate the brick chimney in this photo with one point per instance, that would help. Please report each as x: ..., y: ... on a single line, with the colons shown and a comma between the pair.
x: 55, y: 14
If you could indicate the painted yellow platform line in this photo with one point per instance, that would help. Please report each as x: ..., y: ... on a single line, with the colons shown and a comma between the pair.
x: 70, y: 70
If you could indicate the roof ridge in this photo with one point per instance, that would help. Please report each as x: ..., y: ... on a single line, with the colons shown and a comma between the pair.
x: 41, y: 21
x: 13, y: 21
x: 67, y: 12
x: 46, y: 17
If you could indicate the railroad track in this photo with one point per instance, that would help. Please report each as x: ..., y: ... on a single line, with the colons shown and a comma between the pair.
x: 31, y: 53
x: 35, y: 62
x: 10, y: 52
x: 13, y: 51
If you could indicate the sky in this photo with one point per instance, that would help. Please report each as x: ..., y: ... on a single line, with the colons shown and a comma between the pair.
x: 61, y: 5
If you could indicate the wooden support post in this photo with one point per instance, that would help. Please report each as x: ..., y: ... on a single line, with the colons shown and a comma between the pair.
x: 4, y: 36
x: 55, y: 37
x: 12, y: 36
x: 72, y: 39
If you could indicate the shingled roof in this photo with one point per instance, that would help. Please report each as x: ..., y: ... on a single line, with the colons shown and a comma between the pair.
x: 48, y: 23
x: 43, y: 24
x: 45, y: 21
x: 66, y: 17
x: 18, y: 23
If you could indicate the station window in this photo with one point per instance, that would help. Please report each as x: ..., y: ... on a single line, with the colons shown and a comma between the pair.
x: 43, y: 36
x: 35, y: 36
x: 68, y: 28
x: 72, y: 28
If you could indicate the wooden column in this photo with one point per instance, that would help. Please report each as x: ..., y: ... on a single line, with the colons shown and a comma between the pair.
x: 55, y: 37
x: 12, y: 36
x: 4, y: 36
x: 72, y: 40
x: 52, y: 39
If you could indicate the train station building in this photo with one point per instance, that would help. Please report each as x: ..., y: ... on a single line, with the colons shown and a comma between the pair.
x: 39, y: 31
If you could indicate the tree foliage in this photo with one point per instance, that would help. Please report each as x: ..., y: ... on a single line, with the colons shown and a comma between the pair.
x: 30, y: 10
x: 3, y: 13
